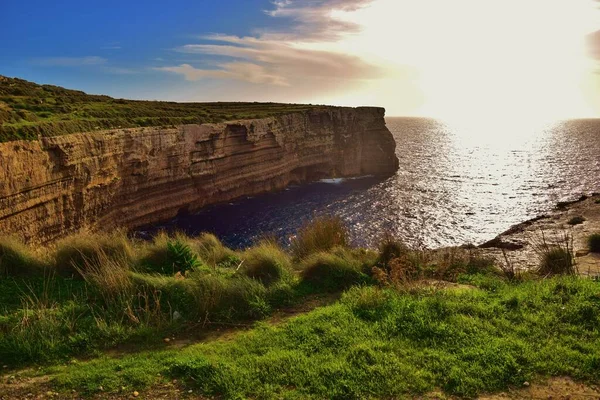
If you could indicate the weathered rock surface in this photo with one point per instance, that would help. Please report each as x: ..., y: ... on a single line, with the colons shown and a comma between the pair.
x: 132, y: 177
x: 520, y: 243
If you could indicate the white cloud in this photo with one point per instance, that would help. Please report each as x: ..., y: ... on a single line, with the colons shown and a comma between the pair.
x: 277, y: 57
x: 120, y: 70
x: 235, y: 70
x: 70, y: 61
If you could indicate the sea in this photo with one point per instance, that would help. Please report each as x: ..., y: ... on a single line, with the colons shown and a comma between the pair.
x: 458, y: 183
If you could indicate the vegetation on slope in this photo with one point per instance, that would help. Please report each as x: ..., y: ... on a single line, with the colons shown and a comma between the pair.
x: 29, y: 110
x: 400, y: 328
x: 382, y: 343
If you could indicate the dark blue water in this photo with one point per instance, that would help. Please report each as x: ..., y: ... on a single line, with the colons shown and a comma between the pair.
x: 457, y: 183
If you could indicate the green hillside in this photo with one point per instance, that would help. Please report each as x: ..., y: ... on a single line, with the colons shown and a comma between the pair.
x: 29, y: 110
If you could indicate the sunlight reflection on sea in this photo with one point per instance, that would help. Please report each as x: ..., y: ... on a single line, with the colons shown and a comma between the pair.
x: 457, y: 183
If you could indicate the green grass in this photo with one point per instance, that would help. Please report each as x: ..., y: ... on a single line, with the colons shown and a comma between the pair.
x: 90, y: 292
x: 381, y: 343
x: 29, y: 110
x: 389, y: 335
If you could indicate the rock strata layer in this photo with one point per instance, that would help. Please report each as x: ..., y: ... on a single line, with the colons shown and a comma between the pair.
x: 132, y: 177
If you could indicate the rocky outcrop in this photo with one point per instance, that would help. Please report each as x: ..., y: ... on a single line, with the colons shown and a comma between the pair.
x: 132, y: 177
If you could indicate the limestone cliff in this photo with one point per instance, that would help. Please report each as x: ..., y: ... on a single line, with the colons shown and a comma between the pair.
x: 131, y: 177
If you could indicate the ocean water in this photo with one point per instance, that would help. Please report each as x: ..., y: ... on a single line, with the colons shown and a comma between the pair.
x: 457, y: 183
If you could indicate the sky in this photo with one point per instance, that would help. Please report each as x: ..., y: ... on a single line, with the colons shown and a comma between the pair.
x: 440, y: 58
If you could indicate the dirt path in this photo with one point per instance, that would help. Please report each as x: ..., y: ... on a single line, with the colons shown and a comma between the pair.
x: 554, y: 388
x: 520, y: 240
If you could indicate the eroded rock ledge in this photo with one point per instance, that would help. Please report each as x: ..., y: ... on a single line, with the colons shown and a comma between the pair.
x: 132, y: 177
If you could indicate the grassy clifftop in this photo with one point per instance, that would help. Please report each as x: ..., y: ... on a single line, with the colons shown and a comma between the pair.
x: 440, y: 323
x: 29, y: 110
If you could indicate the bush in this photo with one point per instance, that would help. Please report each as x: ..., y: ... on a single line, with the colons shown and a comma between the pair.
x: 440, y: 264
x: 321, y: 234
x: 74, y: 253
x: 390, y: 248
x: 16, y: 259
x: 594, y: 243
x: 266, y: 262
x: 169, y: 255
x: 332, y: 271
x: 576, y: 220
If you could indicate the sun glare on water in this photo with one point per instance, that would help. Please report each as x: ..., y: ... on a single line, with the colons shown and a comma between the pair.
x: 476, y: 59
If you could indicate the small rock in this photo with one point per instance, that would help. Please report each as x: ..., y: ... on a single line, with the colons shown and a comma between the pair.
x: 190, y: 391
x: 5, y: 366
x: 526, y: 384
x: 176, y: 315
x: 136, y: 393
x: 166, y: 340
x: 100, y: 388
x: 582, y: 253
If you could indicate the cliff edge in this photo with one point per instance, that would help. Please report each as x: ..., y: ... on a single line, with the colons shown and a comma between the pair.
x: 101, y: 180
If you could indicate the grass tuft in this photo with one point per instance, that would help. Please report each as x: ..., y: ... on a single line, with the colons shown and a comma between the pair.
x: 555, y: 256
x: 594, y: 242
x: 74, y: 253
x: 213, y: 252
x: 321, y: 234
x: 16, y: 259
x: 577, y: 220
x: 267, y: 263
x: 331, y: 271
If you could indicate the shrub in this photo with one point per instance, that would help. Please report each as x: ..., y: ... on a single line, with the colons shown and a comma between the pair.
x: 321, y: 234
x: 75, y: 252
x: 17, y: 259
x: 440, y: 264
x: 390, y: 248
x: 266, y: 262
x: 181, y: 256
x: 594, y: 243
x: 332, y: 271
x: 169, y: 255
x: 576, y: 220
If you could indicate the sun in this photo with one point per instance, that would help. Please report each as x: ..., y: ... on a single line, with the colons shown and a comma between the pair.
x: 469, y: 58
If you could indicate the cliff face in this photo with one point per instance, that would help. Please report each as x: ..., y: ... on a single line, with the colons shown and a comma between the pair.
x: 132, y: 177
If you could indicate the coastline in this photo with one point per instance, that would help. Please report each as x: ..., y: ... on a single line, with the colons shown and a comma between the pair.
x: 518, y: 242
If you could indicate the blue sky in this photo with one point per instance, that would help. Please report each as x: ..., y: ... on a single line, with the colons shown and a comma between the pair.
x: 450, y: 58
x: 115, y: 42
